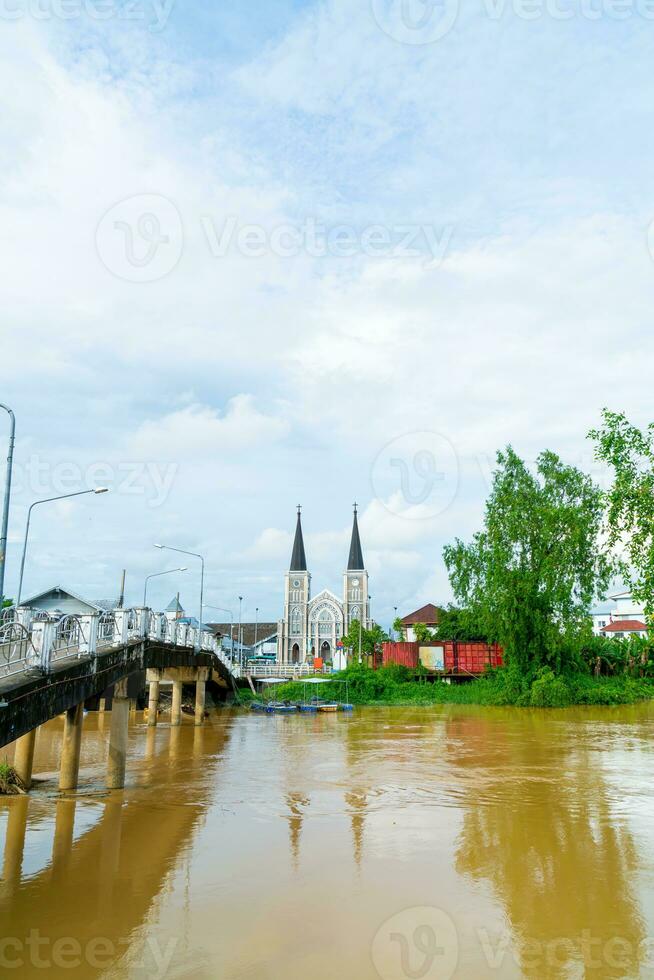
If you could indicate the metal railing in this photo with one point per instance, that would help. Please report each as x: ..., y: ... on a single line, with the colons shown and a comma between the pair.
x: 277, y: 670
x: 17, y: 652
x: 36, y: 638
x: 69, y: 640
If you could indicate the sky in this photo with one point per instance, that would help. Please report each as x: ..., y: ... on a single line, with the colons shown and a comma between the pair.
x: 268, y: 254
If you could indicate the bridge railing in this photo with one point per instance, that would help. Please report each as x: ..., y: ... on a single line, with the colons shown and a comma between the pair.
x: 34, y: 638
x: 17, y: 652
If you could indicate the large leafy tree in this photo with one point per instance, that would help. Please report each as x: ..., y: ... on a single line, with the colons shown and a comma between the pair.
x: 458, y: 624
x: 530, y: 576
x: 630, y: 453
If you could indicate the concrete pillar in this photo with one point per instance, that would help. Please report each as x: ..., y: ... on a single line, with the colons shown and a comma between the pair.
x: 176, y: 707
x: 70, y: 748
x: 15, y: 840
x: 24, y: 757
x: 153, y: 704
x: 200, y: 693
x: 118, y: 737
x: 62, y: 844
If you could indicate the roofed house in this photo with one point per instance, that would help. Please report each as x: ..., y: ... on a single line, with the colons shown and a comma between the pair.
x: 621, y: 628
x: 63, y: 601
x: 619, y: 608
x: 427, y: 616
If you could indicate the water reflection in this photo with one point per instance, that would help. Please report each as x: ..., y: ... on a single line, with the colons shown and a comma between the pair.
x: 101, y: 885
x: 544, y: 832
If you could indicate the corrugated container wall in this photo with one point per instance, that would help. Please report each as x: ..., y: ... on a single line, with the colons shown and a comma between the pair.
x: 400, y: 653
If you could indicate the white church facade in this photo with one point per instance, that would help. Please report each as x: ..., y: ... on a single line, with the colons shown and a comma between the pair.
x: 313, y: 625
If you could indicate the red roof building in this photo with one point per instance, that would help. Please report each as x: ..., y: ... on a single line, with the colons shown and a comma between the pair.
x: 621, y: 626
x: 427, y: 615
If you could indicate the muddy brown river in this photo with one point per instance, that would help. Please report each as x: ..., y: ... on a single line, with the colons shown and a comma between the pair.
x: 395, y: 843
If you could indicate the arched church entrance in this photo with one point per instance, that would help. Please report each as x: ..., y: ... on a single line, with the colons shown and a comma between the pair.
x: 295, y: 654
x: 326, y: 651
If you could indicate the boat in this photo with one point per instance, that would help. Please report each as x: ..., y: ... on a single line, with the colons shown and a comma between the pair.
x: 328, y: 706
x: 258, y: 706
x: 346, y: 707
x: 308, y: 708
x: 282, y: 708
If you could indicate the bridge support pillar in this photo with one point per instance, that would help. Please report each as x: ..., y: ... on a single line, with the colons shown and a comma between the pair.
x: 118, y: 737
x: 24, y: 757
x: 200, y: 695
x: 176, y: 707
x: 70, y: 749
x: 153, y: 703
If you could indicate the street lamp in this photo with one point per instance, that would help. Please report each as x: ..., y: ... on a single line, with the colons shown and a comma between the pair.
x: 240, y: 629
x: 394, y: 621
x: 231, y: 626
x: 5, y: 509
x: 46, y: 500
x: 256, y: 628
x: 180, y: 551
x: 156, y: 575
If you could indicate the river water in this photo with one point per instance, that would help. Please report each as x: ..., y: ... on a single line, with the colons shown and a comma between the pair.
x: 396, y: 843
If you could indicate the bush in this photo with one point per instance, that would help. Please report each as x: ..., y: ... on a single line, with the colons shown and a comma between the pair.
x: 549, y: 691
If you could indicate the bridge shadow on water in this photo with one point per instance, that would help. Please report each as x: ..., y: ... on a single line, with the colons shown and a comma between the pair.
x: 102, y: 858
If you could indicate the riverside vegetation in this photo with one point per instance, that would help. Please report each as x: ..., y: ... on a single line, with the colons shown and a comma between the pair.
x: 550, y: 546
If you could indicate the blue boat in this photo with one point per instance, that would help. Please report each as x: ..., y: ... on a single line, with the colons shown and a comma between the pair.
x: 346, y: 707
x: 308, y: 708
x: 281, y: 708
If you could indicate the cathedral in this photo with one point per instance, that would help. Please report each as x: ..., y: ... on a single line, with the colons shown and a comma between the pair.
x: 312, y: 627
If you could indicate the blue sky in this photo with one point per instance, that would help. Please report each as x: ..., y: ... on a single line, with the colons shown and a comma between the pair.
x: 492, y: 187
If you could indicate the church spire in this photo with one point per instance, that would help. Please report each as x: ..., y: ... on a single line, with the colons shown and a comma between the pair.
x: 298, y: 558
x: 355, y: 561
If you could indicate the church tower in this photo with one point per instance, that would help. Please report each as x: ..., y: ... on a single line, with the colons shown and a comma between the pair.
x: 293, y: 630
x: 356, y: 602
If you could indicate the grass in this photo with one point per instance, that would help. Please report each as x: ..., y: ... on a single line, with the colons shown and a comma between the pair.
x: 397, y: 685
x: 10, y: 782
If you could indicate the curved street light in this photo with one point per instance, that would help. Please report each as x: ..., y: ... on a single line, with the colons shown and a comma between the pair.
x: 231, y: 626
x: 5, y: 508
x: 46, y: 500
x: 156, y: 575
x: 193, y: 554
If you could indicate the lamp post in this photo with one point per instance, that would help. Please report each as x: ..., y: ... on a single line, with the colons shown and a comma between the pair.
x: 394, y: 620
x: 231, y: 626
x: 193, y: 554
x: 46, y: 500
x: 256, y: 628
x: 156, y: 575
x: 240, y: 629
x: 5, y: 508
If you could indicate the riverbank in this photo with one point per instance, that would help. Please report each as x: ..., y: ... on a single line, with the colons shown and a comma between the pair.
x: 396, y: 685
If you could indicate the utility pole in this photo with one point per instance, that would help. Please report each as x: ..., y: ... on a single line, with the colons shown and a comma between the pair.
x: 121, y: 599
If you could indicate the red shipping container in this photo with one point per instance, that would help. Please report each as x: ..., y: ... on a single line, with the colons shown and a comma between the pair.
x: 400, y: 653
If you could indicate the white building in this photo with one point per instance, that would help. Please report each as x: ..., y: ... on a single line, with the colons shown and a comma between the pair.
x: 620, y: 616
x: 313, y: 627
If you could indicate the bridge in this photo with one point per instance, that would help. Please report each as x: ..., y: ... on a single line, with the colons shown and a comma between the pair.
x: 52, y: 666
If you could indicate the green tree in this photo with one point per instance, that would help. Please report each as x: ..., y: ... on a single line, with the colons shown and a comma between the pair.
x: 630, y: 453
x: 398, y: 628
x: 455, y: 623
x: 370, y: 638
x: 422, y: 633
x: 531, y: 575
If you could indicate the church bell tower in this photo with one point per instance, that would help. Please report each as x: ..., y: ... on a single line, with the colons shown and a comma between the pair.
x: 356, y: 602
x: 297, y: 593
